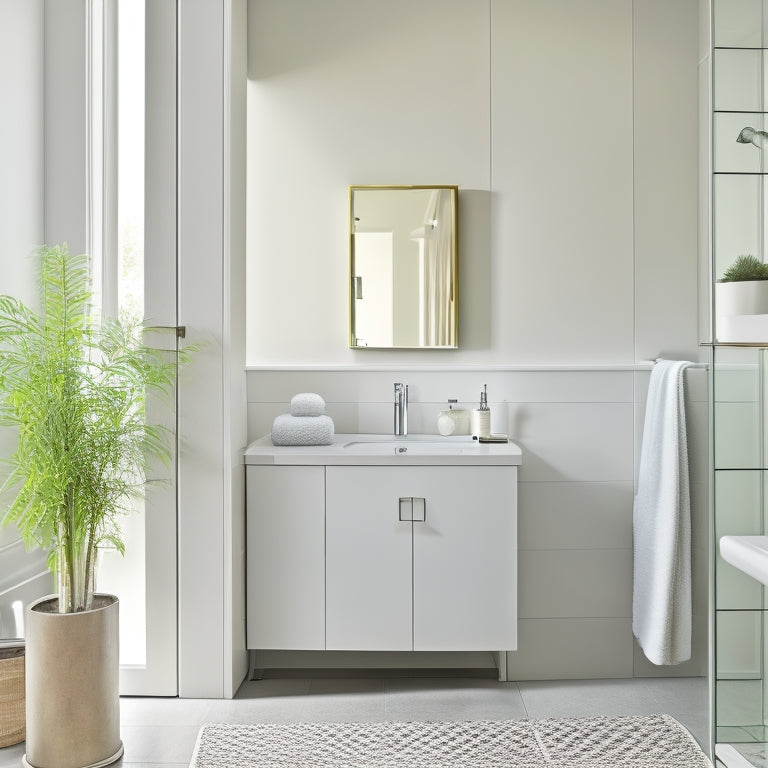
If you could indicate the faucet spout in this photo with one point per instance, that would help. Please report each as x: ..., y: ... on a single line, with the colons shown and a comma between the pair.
x: 401, y: 409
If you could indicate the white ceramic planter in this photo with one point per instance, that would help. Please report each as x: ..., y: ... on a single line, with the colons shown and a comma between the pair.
x: 73, y: 703
x: 742, y: 311
x: 746, y: 297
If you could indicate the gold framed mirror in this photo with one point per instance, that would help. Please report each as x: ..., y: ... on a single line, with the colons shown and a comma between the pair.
x: 403, y: 267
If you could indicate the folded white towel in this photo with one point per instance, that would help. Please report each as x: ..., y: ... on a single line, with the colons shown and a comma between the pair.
x: 661, y: 605
x: 302, y: 430
x: 307, y: 404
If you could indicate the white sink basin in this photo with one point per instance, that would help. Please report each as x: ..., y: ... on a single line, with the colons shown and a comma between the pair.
x: 747, y: 553
x: 405, y: 447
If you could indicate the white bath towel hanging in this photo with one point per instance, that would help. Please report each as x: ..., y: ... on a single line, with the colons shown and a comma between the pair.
x: 661, y: 604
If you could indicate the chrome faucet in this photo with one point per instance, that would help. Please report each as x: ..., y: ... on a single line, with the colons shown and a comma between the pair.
x: 401, y: 409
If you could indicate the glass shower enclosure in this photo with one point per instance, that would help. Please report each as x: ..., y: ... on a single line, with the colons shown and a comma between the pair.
x: 738, y: 82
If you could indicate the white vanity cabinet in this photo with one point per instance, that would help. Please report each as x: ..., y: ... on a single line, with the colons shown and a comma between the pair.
x: 386, y: 551
x: 443, y: 581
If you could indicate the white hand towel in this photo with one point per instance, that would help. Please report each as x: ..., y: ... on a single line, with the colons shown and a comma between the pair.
x: 302, y: 430
x: 661, y: 604
x: 307, y: 404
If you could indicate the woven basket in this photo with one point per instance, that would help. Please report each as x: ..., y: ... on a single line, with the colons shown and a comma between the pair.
x: 12, y: 715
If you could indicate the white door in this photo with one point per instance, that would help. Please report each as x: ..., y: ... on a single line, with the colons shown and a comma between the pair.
x: 137, y: 239
x: 368, y: 561
x: 374, y: 318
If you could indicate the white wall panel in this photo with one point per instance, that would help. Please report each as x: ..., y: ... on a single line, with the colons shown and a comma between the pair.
x: 341, y: 93
x: 66, y: 167
x: 21, y: 144
x: 666, y: 126
x: 575, y: 583
x: 575, y: 515
x: 22, y: 194
x: 562, y: 181
x: 573, y: 441
x: 559, y: 649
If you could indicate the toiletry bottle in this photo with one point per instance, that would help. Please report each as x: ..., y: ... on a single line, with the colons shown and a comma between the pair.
x: 454, y: 421
x: 481, y: 417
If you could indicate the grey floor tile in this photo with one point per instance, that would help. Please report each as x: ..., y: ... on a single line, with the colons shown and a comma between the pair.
x: 447, y: 699
x: 121, y: 764
x: 11, y: 756
x: 159, y: 743
x: 344, y: 700
x: 273, y: 688
x: 163, y: 711
x: 587, y: 698
x: 697, y: 725
x: 262, y: 701
x: 680, y: 694
x: 265, y: 709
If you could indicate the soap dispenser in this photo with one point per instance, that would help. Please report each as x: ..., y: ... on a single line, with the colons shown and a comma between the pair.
x: 454, y: 421
x: 481, y: 417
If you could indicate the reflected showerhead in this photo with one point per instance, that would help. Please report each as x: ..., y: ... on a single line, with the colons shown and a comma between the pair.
x: 749, y: 135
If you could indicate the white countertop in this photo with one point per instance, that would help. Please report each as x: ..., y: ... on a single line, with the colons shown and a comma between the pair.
x: 368, y: 449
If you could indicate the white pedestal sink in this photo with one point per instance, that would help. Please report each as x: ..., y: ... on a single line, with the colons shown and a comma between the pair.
x: 747, y: 553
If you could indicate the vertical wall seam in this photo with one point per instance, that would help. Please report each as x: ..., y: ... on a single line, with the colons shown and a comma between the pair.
x: 490, y: 103
x: 633, y: 32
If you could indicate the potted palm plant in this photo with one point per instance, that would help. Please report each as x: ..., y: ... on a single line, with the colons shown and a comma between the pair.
x: 74, y: 388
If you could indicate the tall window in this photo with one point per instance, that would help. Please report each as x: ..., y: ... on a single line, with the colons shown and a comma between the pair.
x: 130, y: 156
x: 117, y: 167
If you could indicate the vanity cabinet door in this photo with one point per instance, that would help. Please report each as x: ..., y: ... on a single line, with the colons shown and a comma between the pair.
x: 465, y: 562
x: 285, y: 533
x: 444, y: 583
x: 368, y: 561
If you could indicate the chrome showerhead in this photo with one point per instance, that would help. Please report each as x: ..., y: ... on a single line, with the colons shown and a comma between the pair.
x: 749, y: 135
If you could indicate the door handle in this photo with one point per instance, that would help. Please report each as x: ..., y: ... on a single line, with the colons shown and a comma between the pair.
x: 412, y: 509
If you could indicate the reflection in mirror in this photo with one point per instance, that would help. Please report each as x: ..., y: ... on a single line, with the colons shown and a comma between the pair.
x: 403, y: 267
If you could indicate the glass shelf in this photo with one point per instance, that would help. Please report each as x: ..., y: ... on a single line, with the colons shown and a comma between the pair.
x: 742, y: 734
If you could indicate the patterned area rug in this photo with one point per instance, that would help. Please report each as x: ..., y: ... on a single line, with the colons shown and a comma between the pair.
x: 653, y: 741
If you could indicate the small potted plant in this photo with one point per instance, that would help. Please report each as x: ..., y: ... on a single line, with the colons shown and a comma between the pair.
x: 743, y: 288
x: 74, y: 388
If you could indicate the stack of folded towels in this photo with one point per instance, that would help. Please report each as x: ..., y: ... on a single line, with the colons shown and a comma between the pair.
x: 306, y: 424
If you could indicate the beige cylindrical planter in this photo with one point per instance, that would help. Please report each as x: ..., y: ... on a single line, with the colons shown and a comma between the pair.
x: 72, y: 666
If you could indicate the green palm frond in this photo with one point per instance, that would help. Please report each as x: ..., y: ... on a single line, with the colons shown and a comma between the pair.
x: 75, y: 390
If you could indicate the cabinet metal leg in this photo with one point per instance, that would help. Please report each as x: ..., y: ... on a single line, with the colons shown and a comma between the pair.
x: 253, y: 673
x: 501, y: 663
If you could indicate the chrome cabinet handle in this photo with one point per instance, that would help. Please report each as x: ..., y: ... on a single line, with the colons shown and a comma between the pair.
x: 412, y: 509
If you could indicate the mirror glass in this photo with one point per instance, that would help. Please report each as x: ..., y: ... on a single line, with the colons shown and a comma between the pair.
x: 403, y: 267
